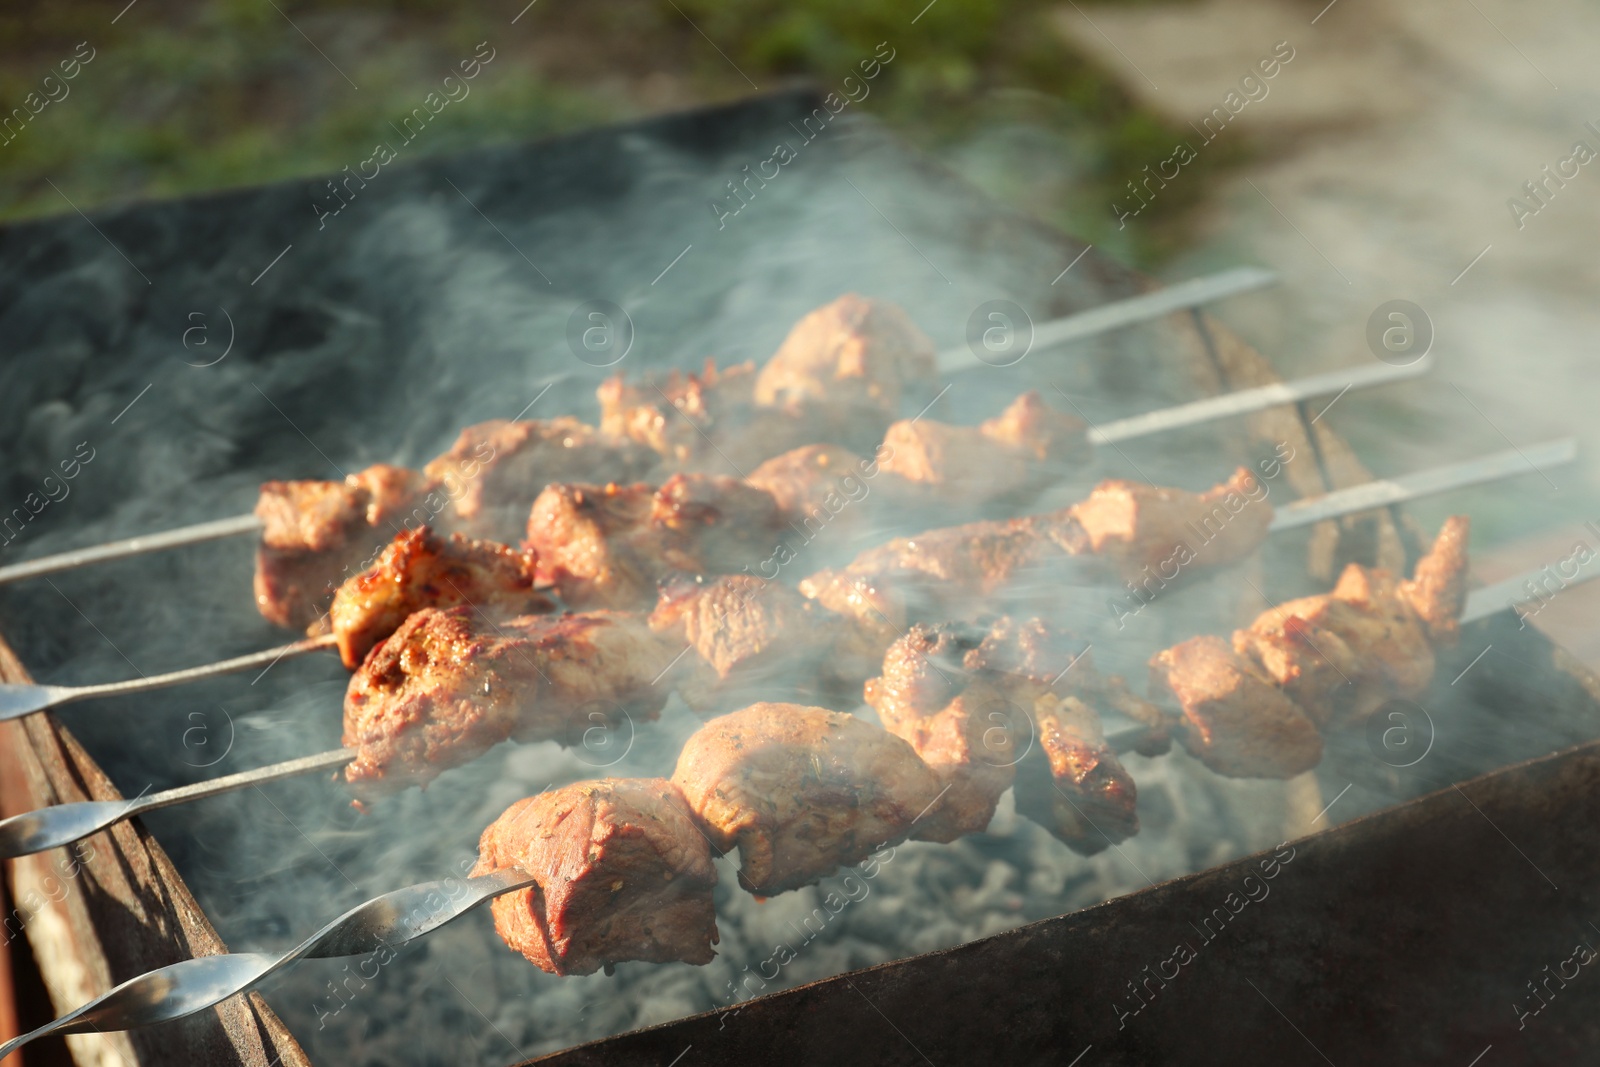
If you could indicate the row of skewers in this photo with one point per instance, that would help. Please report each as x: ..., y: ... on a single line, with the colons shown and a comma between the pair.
x: 456, y: 641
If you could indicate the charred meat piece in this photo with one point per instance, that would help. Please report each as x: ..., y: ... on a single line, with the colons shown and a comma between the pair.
x: 624, y: 874
x: 1006, y: 460
x: 1075, y: 786
x: 609, y: 545
x: 800, y: 791
x: 962, y: 724
x: 420, y: 569
x: 1236, y: 721
x: 1342, y: 655
x: 1133, y: 526
x: 748, y: 635
x: 845, y: 367
x: 449, y: 685
x: 494, y: 469
x: 315, y: 534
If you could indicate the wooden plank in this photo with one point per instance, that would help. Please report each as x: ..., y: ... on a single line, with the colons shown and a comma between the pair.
x: 112, y: 907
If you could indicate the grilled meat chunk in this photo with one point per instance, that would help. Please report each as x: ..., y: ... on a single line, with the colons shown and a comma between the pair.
x: 449, y: 685
x: 979, y: 705
x: 953, y: 572
x: 1075, y: 786
x: 1236, y: 721
x: 1006, y: 460
x: 609, y: 545
x: 695, y: 422
x: 1437, y: 589
x: 848, y: 364
x: 495, y: 468
x: 1132, y: 526
x: 314, y: 534
x: 624, y: 874
x: 800, y: 791
x: 958, y: 720
x: 420, y: 569
x: 748, y: 635
x: 1253, y: 709
x: 1342, y: 655
x: 961, y: 571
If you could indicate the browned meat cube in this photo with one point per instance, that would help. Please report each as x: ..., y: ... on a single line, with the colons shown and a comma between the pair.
x: 1236, y: 721
x: 449, y: 685
x: 495, y: 469
x: 748, y: 636
x: 1437, y: 590
x: 848, y: 364
x: 420, y: 569
x: 1132, y: 526
x: 579, y: 533
x: 958, y: 720
x: 804, y: 479
x: 694, y: 422
x: 868, y: 616
x: 954, y: 572
x: 315, y: 534
x: 1072, y: 783
x: 609, y: 545
x: 1342, y: 655
x: 624, y: 874
x: 800, y: 791
x: 1006, y: 460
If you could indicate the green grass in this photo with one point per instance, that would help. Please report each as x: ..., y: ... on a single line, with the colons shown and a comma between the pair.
x: 185, y: 97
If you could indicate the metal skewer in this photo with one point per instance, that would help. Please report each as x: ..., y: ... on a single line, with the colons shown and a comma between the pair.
x: 1130, y: 311
x: 1385, y: 491
x: 65, y: 823
x: 1105, y: 318
x: 183, y: 988
x: 19, y: 700
x: 62, y: 824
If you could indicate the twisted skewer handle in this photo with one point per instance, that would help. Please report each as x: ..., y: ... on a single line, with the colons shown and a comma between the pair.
x: 183, y: 988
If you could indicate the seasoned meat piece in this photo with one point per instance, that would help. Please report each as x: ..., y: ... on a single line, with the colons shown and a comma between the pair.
x: 420, y: 569
x: 1236, y: 721
x: 1133, y: 526
x: 867, y: 618
x: 609, y: 545
x: 960, y: 722
x: 449, y: 685
x: 580, y: 534
x: 1006, y: 460
x: 1072, y: 783
x: 679, y: 418
x: 749, y: 636
x: 954, y: 572
x: 848, y: 364
x: 314, y: 534
x: 1344, y: 654
x: 624, y: 874
x: 800, y: 791
x: 1437, y: 590
x: 803, y: 479
x: 495, y: 469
